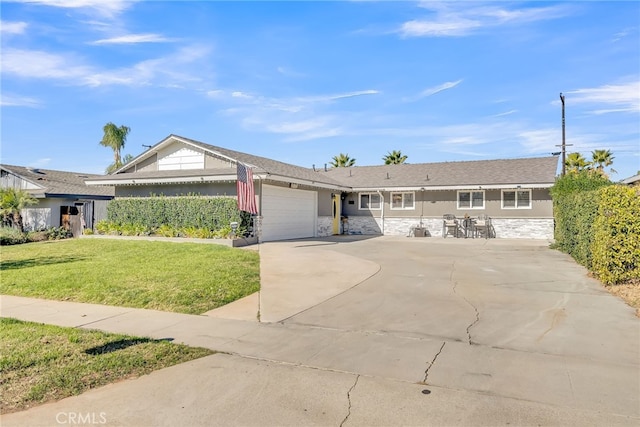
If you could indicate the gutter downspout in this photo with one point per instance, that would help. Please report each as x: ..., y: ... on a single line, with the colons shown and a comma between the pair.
x: 381, y: 210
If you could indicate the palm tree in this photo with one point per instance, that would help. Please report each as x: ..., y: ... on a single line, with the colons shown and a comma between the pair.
x: 114, y: 138
x: 342, y: 161
x: 113, y: 167
x: 394, y: 158
x: 601, y: 159
x: 13, y: 201
x: 575, y: 162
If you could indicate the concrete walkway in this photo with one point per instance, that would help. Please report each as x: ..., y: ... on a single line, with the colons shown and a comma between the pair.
x: 385, y: 331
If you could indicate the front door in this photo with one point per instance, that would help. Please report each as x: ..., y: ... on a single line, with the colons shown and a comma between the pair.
x: 336, y: 213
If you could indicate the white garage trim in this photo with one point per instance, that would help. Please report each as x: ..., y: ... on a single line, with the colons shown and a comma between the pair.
x: 288, y: 213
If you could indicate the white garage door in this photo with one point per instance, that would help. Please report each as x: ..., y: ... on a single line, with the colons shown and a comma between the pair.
x: 288, y: 213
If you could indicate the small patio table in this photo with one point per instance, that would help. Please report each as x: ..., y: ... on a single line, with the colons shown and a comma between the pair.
x: 468, y: 227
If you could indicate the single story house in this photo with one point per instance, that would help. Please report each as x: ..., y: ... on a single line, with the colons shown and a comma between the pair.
x: 298, y: 202
x: 631, y: 181
x: 63, y: 197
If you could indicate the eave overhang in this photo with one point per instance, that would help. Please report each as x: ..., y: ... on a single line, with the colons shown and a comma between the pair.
x: 455, y: 187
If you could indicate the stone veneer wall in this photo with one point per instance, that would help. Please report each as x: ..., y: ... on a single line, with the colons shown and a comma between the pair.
x: 325, y: 226
x: 523, y: 228
x: 508, y: 228
x: 363, y: 225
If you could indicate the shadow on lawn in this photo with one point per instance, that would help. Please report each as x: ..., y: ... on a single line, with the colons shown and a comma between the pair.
x: 110, y: 347
x: 35, y: 262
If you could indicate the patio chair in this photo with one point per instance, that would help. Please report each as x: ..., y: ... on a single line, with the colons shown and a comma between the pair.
x: 449, y: 225
x: 482, y: 226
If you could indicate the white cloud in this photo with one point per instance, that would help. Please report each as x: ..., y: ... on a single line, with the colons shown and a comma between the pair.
x: 623, y: 97
x: 449, y: 27
x: 169, y: 71
x: 289, y: 72
x: 8, y: 27
x: 296, y: 127
x: 540, y: 140
x: 106, y: 8
x: 456, y: 19
x: 8, y: 100
x: 238, y: 94
x: 299, y: 118
x: 433, y: 90
x: 346, y: 95
x: 624, y: 34
x: 132, y: 39
x: 39, y: 64
x: 444, y: 86
x: 506, y: 113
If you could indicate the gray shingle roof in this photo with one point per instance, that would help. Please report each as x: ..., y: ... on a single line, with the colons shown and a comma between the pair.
x: 266, y: 165
x: 539, y: 170
x: 530, y: 171
x: 60, y: 183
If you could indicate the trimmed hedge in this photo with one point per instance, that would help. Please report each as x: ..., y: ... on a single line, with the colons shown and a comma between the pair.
x: 616, y: 244
x: 211, y: 213
x: 575, y: 206
x: 598, y: 224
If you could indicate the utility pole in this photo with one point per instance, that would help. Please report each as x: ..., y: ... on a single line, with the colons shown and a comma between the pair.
x: 564, y: 145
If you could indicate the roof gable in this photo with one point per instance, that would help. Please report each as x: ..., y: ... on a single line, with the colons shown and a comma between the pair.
x: 261, y: 165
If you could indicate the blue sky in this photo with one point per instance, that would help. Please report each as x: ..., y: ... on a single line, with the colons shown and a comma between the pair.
x: 303, y: 81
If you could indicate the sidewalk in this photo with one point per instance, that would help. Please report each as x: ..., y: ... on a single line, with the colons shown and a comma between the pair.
x: 288, y: 375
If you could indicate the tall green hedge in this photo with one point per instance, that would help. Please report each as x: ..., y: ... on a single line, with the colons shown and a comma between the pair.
x: 616, y: 244
x: 206, y: 212
x: 575, y: 206
x: 598, y: 224
x: 575, y: 214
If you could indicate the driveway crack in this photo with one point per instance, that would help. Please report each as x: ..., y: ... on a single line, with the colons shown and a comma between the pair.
x: 475, y: 309
x: 430, y: 364
x: 349, y: 400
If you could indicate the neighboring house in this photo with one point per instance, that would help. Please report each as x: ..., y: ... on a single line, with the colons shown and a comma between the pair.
x: 632, y: 180
x: 63, y: 197
x: 298, y: 202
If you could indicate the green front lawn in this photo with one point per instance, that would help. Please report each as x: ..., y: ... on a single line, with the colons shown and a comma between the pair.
x: 181, y: 277
x: 41, y: 363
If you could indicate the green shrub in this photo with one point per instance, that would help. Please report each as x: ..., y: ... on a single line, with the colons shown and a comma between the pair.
x: 223, y: 233
x: 616, y: 243
x: 58, y: 233
x: 11, y: 236
x: 133, y: 229
x: 37, y: 236
x: 575, y: 205
x: 166, y: 231
x: 209, y: 213
x: 108, y: 227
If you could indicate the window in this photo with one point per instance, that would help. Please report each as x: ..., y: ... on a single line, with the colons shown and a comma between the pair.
x: 470, y: 199
x: 370, y: 201
x: 516, y: 199
x: 402, y: 201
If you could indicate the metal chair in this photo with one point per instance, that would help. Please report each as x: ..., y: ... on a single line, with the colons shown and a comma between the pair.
x: 482, y: 226
x: 449, y: 225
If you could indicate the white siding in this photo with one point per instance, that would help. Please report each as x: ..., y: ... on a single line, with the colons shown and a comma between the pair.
x: 180, y: 156
x: 288, y: 213
x: 36, y: 218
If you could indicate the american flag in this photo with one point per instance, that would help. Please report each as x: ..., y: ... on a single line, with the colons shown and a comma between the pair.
x: 246, y: 192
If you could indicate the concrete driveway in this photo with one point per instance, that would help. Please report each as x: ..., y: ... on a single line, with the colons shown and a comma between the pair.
x: 384, y: 331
